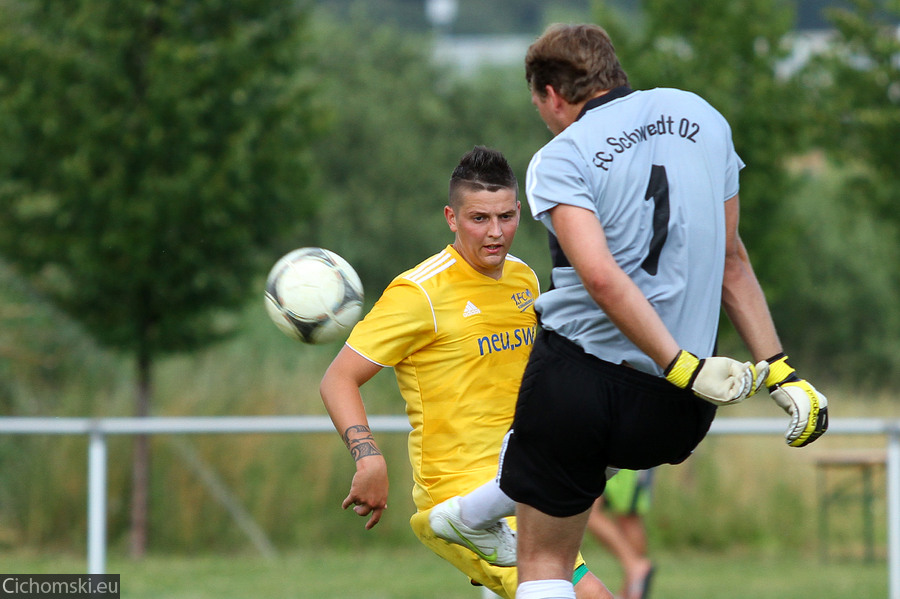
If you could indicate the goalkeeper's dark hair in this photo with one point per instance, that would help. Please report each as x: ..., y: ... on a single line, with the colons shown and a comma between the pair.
x: 481, y: 169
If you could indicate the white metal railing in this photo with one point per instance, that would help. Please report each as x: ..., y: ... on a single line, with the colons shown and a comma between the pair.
x: 97, y: 429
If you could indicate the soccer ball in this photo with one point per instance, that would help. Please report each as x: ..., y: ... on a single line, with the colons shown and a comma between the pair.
x: 314, y: 295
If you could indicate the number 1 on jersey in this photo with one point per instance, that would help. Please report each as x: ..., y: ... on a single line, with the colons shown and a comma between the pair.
x: 658, y: 189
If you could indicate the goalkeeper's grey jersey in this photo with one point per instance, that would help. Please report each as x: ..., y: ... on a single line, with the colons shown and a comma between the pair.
x: 656, y: 168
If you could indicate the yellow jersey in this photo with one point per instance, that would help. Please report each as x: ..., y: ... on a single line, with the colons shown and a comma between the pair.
x: 458, y: 342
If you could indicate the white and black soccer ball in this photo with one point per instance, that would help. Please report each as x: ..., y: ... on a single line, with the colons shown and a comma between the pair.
x: 314, y: 295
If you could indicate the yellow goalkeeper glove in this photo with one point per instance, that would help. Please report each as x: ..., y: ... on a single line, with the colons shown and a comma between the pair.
x: 718, y: 379
x: 807, y: 407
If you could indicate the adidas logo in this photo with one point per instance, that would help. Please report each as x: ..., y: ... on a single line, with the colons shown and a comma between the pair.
x: 471, y: 310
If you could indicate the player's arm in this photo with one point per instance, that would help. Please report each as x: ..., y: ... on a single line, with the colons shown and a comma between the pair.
x: 340, y: 391
x: 742, y: 296
x: 583, y: 241
x: 746, y: 307
x: 719, y: 380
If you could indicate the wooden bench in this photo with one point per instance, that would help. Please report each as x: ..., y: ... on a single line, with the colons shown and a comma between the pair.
x: 844, y: 490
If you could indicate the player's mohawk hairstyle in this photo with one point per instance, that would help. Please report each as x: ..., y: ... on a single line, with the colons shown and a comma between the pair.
x: 481, y: 168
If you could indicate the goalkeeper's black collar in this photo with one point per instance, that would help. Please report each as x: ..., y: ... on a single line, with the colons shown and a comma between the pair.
x: 613, y: 94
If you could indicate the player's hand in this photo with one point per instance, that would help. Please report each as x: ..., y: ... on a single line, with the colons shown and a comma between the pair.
x: 369, y: 489
x: 718, y: 379
x: 807, y: 407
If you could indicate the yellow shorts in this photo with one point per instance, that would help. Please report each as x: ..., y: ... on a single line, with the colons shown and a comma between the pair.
x: 501, y: 581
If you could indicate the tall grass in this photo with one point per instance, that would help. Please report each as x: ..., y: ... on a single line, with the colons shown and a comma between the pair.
x: 752, y: 492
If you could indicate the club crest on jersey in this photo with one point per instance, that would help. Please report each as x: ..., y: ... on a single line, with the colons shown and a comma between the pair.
x: 523, y: 299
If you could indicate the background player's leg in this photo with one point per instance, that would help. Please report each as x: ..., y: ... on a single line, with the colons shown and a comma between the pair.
x: 624, y: 537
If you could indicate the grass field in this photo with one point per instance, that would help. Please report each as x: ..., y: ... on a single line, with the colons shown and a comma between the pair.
x: 410, y: 571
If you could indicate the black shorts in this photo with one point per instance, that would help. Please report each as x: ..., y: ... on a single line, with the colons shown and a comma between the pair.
x: 577, y: 414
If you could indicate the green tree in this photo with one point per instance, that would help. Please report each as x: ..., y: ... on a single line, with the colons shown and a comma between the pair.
x: 855, y: 85
x: 150, y: 152
x: 854, y: 90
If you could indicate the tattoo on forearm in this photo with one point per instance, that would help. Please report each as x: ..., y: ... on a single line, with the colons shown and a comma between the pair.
x: 359, y: 440
x: 356, y: 433
x: 362, y: 450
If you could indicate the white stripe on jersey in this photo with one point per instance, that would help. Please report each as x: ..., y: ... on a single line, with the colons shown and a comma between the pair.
x: 427, y: 269
x: 431, y: 267
x: 362, y: 355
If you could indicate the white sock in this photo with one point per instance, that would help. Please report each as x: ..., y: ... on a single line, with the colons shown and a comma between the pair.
x: 485, y: 505
x: 546, y: 589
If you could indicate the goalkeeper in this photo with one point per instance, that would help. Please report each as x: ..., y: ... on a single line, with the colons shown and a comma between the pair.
x: 639, y: 191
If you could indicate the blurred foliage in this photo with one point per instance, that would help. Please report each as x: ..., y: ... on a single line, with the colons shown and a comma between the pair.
x: 527, y: 17
x: 150, y: 155
x: 855, y: 89
x: 162, y: 145
x: 147, y: 152
x: 852, y: 98
x: 42, y: 351
x: 143, y: 171
x: 470, y: 17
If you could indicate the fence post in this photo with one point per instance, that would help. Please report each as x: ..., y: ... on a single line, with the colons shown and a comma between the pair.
x: 893, y: 512
x: 96, y: 503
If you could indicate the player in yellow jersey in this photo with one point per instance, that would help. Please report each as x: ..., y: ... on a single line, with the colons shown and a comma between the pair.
x: 457, y: 329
